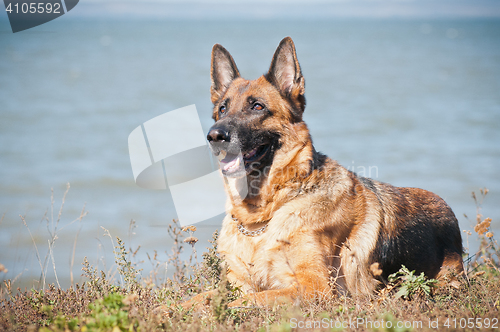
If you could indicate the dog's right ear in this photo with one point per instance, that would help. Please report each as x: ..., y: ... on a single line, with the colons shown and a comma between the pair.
x: 286, y: 76
x: 223, y: 72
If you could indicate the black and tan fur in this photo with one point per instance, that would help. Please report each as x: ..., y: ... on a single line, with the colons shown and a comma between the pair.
x: 326, y: 225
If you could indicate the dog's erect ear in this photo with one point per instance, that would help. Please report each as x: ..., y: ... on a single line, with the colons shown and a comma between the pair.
x: 285, y: 73
x: 223, y: 71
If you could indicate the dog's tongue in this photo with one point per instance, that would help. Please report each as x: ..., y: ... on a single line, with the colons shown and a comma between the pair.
x: 230, y: 162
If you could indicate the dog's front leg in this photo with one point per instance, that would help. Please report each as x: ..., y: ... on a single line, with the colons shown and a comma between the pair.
x: 198, y: 301
x: 285, y: 295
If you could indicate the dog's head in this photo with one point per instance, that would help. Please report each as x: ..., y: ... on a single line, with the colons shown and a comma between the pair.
x: 251, y: 117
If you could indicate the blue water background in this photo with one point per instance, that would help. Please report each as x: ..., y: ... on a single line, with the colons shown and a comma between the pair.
x: 413, y: 102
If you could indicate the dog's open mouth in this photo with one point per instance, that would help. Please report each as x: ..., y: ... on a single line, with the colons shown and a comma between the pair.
x: 242, y: 163
x: 256, y: 154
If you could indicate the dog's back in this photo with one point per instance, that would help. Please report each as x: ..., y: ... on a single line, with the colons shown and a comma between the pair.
x: 423, y: 234
x: 415, y: 228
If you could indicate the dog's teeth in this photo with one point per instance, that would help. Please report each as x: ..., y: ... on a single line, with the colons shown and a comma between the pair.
x: 251, y: 153
x: 222, y: 155
x: 254, y: 151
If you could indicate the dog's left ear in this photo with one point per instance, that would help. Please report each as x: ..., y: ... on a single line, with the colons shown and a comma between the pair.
x: 286, y: 75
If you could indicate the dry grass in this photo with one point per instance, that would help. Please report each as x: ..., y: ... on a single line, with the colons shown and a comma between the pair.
x: 125, y: 301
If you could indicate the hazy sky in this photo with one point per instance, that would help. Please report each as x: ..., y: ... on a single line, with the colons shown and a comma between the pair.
x: 291, y: 8
x: 284, y: 9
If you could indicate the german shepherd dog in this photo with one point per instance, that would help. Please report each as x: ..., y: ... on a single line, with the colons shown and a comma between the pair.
x: 307, y: 227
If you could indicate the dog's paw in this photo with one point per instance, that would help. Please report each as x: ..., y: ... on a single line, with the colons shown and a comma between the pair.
x: 241, y: 303
x: 197, y: 302
x: 164, y: 311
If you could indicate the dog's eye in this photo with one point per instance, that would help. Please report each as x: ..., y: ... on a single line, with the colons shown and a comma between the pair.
x: 257, y: 107
x: 222, y: 109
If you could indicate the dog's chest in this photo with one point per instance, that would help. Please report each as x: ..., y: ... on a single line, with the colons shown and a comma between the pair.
x: 256, y: 263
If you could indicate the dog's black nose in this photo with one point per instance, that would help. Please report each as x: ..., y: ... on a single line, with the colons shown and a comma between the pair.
x: 217, y: 135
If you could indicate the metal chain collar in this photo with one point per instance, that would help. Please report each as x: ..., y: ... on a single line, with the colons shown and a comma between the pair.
x: 246, y: 232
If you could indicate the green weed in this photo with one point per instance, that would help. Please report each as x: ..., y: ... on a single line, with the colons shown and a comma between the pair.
x: 410, y: 285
